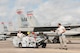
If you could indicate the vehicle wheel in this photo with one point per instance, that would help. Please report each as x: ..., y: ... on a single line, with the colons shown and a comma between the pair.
x: 55, y: 41
x: 36, y: 45
x: 20, y: 45
x: 43, y: 45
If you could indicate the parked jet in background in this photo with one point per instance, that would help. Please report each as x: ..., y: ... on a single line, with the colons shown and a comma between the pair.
x: 29, y: 23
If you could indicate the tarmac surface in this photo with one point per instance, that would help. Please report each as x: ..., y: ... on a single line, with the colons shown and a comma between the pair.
x: 7, y: 47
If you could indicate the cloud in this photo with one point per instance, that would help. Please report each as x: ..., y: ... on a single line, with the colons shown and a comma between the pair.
x: 3, y: 2
x: 3, y: 11
x: 46, y: 12
x: 27, y: 4
x: 58, y: 11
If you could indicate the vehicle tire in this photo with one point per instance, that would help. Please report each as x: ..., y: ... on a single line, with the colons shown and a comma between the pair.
x: 20, y: 45
x: 36, y: 45
x: 55, y: 41
x: 43, y: 45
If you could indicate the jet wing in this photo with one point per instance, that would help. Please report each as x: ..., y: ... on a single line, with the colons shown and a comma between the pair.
x: 72, y: 26
x: 42, y: 29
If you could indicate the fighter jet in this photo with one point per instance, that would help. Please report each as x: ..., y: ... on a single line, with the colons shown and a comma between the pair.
x: 29, y: 23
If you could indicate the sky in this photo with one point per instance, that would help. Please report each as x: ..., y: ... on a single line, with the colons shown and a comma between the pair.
x: 47, y: 12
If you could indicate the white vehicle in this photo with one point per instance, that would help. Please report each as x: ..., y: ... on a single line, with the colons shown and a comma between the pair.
x: 2, y: 37
x: 28, y: 41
